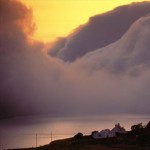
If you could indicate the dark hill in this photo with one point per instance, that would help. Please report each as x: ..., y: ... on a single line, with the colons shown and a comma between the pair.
x: 136, y: 139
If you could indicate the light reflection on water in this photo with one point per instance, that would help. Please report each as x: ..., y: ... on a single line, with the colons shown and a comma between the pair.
x: 21, y: 132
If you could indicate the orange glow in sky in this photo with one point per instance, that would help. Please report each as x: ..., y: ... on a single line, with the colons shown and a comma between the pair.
x: 57, y: 18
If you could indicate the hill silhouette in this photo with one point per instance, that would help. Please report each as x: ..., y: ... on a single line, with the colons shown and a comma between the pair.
x: 136, y: 139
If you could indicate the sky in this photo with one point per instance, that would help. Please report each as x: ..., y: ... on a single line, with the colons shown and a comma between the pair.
x: 101, y: 67
x: 57, y: 18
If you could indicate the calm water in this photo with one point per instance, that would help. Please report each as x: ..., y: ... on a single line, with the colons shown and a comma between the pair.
x: 21, y: 132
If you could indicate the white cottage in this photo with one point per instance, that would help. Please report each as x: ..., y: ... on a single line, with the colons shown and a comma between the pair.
x: 109, y: 133
x: 117, y: 129
x: 101, y: 134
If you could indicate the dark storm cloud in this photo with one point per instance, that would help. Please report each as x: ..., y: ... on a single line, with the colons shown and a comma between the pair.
x: 15, y: 21
x: 127, y: 63
x: 57, y: 46
x: 22, y: 64
x: 99, y: 31
x: 32, y: 82
x: 12, y: 40
x: 129, y: 54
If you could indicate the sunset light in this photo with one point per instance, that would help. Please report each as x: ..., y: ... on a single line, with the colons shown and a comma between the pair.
x: 57, y: 18
x: 74, y: 74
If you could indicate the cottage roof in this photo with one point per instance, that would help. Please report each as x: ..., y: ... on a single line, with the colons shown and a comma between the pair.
x: 118, y: 128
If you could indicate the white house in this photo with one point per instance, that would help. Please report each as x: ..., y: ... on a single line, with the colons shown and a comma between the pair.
x: 117, y: 129
x: 101, y: 134
x: 109, y: 133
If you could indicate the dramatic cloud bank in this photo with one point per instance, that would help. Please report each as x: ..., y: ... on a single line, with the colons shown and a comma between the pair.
x: 130, y: 54
x: 128, y: 62
x: 99, y: 31
x: 26, y: 73
x: 114, y: 79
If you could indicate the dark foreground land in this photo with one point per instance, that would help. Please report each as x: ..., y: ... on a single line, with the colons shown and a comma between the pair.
x: 136, y: 139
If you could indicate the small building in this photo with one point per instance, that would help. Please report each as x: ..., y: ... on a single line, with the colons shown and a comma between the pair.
x: 101, y: 134
x: 109, y: 133
x: 117, y: 129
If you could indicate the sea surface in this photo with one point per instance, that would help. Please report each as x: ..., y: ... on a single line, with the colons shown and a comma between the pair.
x: 32, y: 131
